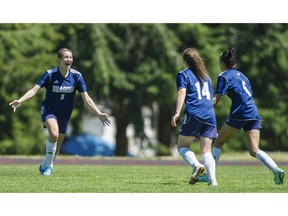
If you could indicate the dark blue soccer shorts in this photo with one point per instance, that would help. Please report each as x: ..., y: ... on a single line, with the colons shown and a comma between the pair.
x: 246, y: 125
x: 62, y: 123
x: 193, y: 127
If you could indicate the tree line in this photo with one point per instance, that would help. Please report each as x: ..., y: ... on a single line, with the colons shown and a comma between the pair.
x: 131, y: 66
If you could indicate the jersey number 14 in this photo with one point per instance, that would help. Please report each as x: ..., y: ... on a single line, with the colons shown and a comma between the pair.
x: 204, y: 92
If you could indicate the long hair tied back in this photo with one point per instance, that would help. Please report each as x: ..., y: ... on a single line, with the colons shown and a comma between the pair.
x: 195, y: 62
x: 229, y: 57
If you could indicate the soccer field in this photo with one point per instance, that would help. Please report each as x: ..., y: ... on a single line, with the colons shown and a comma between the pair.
x: 135, y: 179
x: 145, y: 188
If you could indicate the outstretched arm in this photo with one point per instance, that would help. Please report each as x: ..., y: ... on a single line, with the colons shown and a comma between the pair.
x: 90, y: 103
x: 29, y: 94
x: 180, y: 101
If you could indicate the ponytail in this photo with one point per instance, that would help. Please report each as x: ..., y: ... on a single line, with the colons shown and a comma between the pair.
x: 229, y: 58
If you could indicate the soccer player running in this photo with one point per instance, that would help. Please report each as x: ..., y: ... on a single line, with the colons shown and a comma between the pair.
x: 61, y: 84
x: 243, y: 112
x: 195, y: 89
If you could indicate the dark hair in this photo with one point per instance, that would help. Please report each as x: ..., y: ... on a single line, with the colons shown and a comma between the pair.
x: 229, y: 57
x: 61, y: 51
x: 195, y: 62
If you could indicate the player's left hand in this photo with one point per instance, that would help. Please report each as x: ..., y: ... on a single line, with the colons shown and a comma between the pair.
x: 105, y: 119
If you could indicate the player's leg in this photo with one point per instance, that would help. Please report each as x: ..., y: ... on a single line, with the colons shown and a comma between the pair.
x: 53, y: 130
x: 189, y: 156
x: 188, y: 133
x: 253, y: 138
x: 59, y: 143
x: 208, y: 160
x: 63, y: 126
x: 224, y: 135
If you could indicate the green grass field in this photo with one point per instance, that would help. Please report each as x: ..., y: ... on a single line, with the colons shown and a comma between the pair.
x: 135, y: 179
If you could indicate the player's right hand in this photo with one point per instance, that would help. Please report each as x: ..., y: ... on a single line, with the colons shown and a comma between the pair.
x: 14, y: 104
x: 174, y: 120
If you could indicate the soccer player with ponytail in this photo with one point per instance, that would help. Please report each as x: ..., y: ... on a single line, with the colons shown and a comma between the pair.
x: 195, y: 89
x: 243, y: 113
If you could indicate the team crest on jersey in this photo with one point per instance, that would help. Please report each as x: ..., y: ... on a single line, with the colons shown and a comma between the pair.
x: 63, y: 89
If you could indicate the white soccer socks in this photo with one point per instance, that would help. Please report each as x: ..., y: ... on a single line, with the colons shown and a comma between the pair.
x: 266, y: 159
x: 216, y: 152
x: 210, y: 166
x: 50, y: 154
x: 189, y: 156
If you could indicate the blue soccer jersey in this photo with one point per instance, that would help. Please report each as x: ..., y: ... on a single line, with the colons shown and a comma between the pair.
x: 199, y: 96
x: 237, y: 87
x: 60, y: 91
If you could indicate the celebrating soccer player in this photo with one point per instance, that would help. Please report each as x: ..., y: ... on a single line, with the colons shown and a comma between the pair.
x: 61, y: 84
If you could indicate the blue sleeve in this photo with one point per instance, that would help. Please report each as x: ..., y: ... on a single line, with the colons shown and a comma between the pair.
x: 44, y: 80
x: 81, y: 85
x: 222, y: 85
x: 181, y: 81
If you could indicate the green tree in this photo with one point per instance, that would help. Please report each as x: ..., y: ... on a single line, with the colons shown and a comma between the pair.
x: 264, y: 56
x: 131, y: 66
x: 25, y: 53
x: 146, y: 57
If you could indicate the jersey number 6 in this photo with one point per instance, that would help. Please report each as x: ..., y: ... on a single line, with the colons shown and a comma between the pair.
x: 245, y: 88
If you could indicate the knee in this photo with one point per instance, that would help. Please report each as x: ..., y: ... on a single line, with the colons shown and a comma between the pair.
x: 181, y: 145
x: 53, y: 136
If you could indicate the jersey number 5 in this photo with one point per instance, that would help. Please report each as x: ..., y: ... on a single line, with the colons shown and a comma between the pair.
x: 62, y: 96
x: 205, y: 91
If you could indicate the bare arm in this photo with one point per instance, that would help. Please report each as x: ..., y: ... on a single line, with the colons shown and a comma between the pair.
x: 29, y: 94
x: 90, y: 103
x: 180, y: 101
x: 216, y: 99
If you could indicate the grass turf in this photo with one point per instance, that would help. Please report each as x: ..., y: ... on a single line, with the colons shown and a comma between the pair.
x: 135, y: 179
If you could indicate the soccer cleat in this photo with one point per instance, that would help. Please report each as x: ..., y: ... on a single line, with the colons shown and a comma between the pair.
x: 203, y: 178
x: 48, y: 171
x: 41, y: 170
x: 212, y: 183
x: 278, y: 176
x: 196, y: 172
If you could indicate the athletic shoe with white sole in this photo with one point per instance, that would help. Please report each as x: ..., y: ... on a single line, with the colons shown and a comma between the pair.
x: 48, y: 171
x: 278, y: 176
x: 41, y: 170
x: 203, y: 178
x: 212, y: 183
x: 196, y: 172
